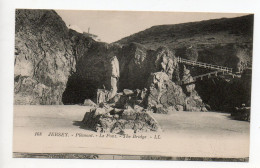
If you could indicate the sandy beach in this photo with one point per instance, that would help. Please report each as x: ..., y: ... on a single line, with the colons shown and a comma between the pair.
x: 57, y: 129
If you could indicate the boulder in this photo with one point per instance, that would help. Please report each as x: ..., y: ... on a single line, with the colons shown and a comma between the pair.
x: 128, y: 92
x: 187, y: 78
x: 165, y: 61
x: 129, y: 114
x: 171, y: 109
x: 241, y: 113
x: 162, y: 91
x: 116, y: 98
x: 129, y: 98
x: 89, y: 102
x: 103, y: 96
x: 129, y: 119
x: 204, y: 109
x: 138, y: 108
x: 160, y: 109
x: 179, y: 107
x: 100, y: 111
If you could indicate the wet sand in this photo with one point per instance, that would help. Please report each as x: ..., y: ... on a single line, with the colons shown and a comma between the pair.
x: 57, y: 129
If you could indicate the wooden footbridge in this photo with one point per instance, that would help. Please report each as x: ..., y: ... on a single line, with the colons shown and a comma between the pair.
x: 218, y: 70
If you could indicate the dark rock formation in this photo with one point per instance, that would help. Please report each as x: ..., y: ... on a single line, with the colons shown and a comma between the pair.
x: 187, y: 78
x: 128, y: 92
x: 223, y: 93
x: 43, y: 57
x: 93, y: 69
x: 119, y: 122
x: 135, y: 59
x: 55, y: 65
x: 236, y: 55
x: 164, y: 93
x: 191, y: 53
x: 137, y: 63
x: 89, y: 102
x: 225, y: 42
x: 241, y: 113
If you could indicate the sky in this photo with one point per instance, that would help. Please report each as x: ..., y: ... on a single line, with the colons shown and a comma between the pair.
x: 111, y: 26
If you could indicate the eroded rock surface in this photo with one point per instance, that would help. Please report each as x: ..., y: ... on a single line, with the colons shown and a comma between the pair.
x: 43, y: 57
x: 164, y: 93
x: 56, y: 65
x: 119, y: 121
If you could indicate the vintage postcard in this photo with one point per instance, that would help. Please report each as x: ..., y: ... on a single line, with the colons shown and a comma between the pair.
x: 132, y: 85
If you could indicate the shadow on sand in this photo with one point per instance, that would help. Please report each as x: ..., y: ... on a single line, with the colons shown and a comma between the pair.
x: 81, y: 125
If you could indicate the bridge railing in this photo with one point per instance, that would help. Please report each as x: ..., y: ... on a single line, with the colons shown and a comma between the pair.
x: 195, y: 78
x: 204, y: 65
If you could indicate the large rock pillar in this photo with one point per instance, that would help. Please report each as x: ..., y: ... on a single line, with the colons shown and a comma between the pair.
x: 115, y: 76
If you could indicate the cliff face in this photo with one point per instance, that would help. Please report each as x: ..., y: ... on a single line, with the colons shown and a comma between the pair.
x: 93, y: 69
x: 43, y: 57
x: 55, y: 65
x: 226, y: 41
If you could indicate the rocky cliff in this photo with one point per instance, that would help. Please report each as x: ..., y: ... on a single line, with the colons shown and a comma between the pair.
x: 43, y: 57
x: 56, y: 65
x: 225, y: 41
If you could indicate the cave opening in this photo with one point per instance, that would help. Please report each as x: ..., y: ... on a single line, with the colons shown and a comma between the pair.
x: 222, y: 95
x: 84, y: 83
x: 78, y: 89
